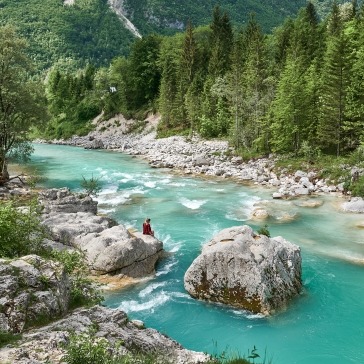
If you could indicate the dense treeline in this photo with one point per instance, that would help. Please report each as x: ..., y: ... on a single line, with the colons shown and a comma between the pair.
x: 300, y: 88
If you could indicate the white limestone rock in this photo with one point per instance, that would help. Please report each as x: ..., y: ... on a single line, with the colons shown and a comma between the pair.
x: 356, y: 204
x: 62, y: 200
x: 31, y: 288
x: 245, y: 270
x: 48, y: 344
x: 115, y: 250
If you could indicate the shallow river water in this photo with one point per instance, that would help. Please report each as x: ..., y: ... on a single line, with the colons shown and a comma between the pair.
x: 324, y: 325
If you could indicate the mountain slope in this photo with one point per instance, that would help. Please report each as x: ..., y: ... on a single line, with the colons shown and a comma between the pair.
x: 69, y: 34
x: 169, y: 16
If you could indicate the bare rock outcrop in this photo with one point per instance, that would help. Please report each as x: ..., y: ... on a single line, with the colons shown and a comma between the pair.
x: 34, y: 290
x: 115, y: 250
x: 31, y: 288
x: 245, y: 270
x: 108, y: 247
x: 63, y: 200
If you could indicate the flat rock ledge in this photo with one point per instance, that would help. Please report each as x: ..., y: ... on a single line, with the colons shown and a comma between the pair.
x: 46, y: 344
x: 245, y: 270
x: 108, y: 248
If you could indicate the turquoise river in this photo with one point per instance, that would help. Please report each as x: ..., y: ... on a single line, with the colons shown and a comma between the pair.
x: 324, y: 325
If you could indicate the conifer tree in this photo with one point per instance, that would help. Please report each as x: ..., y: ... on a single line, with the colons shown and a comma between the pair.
x: 255, y: 73
x: 296, y: 102
x: 334, y: 83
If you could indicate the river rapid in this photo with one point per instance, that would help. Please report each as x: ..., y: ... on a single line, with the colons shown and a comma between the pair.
x: 325, y: 324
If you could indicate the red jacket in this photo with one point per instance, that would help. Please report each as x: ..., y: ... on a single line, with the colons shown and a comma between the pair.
x: 147, y: 230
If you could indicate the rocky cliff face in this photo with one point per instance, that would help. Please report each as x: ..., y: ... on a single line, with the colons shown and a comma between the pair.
x: 243, y: 269
x: 48, y: 343
x: 32, y: 289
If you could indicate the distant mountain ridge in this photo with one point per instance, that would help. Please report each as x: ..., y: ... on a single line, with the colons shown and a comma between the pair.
x: 72, y: 33
x: 165, y: 16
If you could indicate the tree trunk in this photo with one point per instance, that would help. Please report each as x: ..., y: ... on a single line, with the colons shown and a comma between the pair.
x: 4, y: 174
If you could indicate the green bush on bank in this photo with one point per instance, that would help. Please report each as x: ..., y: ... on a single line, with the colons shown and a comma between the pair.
x: 86, y: 348
x: 21, y: 232
x: 357, y: 187
x: 8, y: 338
x: 84, y: 292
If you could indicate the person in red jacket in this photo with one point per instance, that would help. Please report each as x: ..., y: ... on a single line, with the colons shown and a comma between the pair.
x: 147, y: 230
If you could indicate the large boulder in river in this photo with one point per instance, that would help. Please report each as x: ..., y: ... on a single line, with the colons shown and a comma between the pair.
x: 243, y: 269
x: 31, y: 289
x: 115, y: 250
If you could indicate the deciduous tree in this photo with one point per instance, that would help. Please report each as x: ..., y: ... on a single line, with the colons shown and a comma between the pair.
x: 21, y: 100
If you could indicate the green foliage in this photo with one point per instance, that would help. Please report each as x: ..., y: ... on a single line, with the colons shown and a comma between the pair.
x: 72, y: 102
x: 22, y: 101
x: 228, y: 357
x: 309, y: 152
x: 264, y: 231
x: 84, y: 292
x: 357, y: 187
x: 21, y: 232
x: 68, y: 36
x: 91, y: 186
x: 86, y: 348
x: 8, y: 338
x: 171, y: 18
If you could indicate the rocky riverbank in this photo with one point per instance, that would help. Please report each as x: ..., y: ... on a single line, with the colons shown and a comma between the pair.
x: 207, y: 157
x: 35, y: 291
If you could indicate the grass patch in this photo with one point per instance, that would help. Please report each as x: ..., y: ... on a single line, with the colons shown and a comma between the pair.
x: 8, y: 338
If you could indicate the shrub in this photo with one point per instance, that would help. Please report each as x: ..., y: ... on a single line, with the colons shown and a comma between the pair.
x: 21, y: 232
x: 264, y: 231
x: 357, y: 187
x: 91, y: 186
x: 86, y: 348
x: 309, y: 152
x: 8, y: 338
x: 84, y: 292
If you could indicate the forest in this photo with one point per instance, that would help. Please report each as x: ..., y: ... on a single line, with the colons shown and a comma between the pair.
x: 296, y: 90
x: 66, y: 36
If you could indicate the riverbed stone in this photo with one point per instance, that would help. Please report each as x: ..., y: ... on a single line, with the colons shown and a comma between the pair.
x: 356, y: 205
x: 243, y: 269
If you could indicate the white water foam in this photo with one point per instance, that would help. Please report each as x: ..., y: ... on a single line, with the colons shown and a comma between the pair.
x: 167, y: 268
x: 243, y: 209
x: 150, y: 184
x: 192, y: 204
x: 135, y: 306
x: 148, y: 290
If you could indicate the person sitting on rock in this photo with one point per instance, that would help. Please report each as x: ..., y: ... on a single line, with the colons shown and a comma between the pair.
x: 147, y: 230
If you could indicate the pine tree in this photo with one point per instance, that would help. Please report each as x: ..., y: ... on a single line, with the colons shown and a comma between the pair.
x: 334, y: 80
